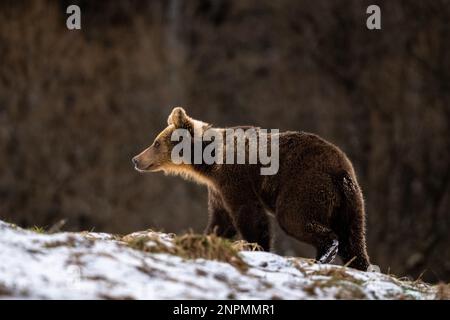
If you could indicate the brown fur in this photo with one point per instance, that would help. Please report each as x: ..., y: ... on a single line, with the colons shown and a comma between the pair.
x: 314, y: 196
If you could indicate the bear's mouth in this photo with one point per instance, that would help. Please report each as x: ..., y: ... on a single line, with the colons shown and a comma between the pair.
x: 146, y: 169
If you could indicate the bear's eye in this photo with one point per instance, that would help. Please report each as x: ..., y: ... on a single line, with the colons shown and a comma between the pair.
x: 156, y: 144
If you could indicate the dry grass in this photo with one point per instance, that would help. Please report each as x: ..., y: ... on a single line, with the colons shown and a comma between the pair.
x: 337, y: 273
x: 350, y: 286
x: 348, y: 289
x: 37, y: 229
x: 70, y: 242
x: 338, y: 277
x: 442, y: 291
x: 4, y: 290
x: 195, y: 246
x: 242, y: 245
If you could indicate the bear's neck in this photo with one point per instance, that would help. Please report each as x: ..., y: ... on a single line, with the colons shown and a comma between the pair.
x: 199, y: 173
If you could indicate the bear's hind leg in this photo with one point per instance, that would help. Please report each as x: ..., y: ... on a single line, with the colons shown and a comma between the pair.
x: 321, y: 237
x: 304, y: 212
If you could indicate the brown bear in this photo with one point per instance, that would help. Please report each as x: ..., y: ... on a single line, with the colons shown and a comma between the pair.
x: 314, y: 196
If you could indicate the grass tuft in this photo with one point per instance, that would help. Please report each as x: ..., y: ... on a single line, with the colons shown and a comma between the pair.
x: 37, y: 229
x: 195, y: 246
x: 442, y: 291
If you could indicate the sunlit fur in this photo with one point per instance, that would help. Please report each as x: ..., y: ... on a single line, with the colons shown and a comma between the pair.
x: 186, y: 171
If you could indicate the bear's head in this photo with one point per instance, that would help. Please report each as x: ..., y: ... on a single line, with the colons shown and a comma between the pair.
x: 157, y: 157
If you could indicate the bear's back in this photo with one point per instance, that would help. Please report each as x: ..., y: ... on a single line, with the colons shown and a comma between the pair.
x: 302, y: 151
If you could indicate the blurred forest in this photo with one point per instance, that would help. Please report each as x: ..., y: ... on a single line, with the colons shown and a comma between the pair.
x: 75, y: 106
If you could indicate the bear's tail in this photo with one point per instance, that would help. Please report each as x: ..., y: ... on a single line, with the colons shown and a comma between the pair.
x: 349, y: 224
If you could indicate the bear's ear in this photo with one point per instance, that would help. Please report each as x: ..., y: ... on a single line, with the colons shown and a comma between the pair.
x: 178, y: 118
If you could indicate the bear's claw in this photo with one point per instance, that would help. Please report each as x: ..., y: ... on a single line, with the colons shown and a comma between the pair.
x: 330, y: 254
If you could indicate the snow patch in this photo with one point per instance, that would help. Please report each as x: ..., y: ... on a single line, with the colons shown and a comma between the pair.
x: 101, y: 266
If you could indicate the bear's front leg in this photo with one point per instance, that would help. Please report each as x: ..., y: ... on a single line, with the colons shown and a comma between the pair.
x: 220, y: 222
x: 253, y: 224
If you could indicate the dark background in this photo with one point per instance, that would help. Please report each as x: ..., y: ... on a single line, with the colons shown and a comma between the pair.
x: 75, y: 106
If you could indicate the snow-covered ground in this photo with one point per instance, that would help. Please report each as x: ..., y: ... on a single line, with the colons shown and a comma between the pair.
x: 101, y: 266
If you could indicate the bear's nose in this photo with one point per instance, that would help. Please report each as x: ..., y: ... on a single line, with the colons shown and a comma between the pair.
x: 135, y: 161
